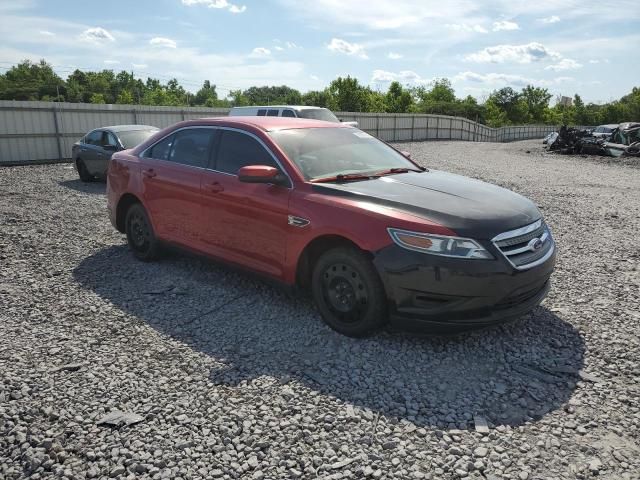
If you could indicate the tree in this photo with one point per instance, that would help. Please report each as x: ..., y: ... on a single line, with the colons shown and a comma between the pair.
x: 316, y: 98
x: 31, y: 81
x: 97, y: 98
x: 347, y: 95
x: 207, y: 95
x: 537, y: 100
x: 125, y: 97
x: 398, y: 99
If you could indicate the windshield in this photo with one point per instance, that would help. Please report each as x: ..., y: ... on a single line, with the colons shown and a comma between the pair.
x: 131, y: 138
x: 327, y: 152
x: 318, y: 114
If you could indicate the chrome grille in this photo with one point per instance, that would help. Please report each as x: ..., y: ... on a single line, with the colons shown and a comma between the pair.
x: 526, y: 247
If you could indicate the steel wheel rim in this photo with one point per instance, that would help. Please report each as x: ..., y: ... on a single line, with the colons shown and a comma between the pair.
x: 345, y: 292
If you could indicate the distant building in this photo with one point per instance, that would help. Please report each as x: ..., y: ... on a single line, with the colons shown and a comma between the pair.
x: 565, y: 101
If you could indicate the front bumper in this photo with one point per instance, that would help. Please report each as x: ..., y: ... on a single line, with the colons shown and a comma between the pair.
x: 430, y: 292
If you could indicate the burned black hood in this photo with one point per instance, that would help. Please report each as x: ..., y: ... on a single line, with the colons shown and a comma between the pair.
x: 469, y: 207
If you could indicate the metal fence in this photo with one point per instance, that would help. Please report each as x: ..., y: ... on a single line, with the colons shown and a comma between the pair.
x: 34, y: 132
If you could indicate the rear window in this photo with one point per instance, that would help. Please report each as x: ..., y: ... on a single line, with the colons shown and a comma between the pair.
x: 262, y: 112
x: 272, y: 113
x: 318, y: 114
x: 288, y: 113
x: 132, y: 138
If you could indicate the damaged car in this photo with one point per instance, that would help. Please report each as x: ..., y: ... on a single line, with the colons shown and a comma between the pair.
x: 624, y: 141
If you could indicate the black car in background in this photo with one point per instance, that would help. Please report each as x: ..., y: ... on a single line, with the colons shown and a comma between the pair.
x: 92, y: 152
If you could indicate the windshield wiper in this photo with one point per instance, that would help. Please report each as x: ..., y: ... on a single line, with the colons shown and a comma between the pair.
x: 390, y: 171
x: 342, y: 177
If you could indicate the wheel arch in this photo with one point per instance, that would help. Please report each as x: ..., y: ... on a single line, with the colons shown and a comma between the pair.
x: 316, y: 247
x: 124, y: 203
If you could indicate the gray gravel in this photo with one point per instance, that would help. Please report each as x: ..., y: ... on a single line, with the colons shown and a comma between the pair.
x: 186, y: 369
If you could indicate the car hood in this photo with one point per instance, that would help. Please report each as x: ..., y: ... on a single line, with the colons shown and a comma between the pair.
x: 469, y: 207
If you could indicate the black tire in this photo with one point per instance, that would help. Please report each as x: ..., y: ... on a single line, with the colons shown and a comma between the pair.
x: 83, y: 173
x: 140, y: 236
x: 348, y: 291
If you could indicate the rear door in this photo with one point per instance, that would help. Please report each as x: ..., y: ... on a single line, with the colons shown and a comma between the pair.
x: 245, y: 223
x: 171, y: 171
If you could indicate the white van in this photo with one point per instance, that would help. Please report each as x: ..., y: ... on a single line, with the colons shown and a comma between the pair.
x: 294, y: 111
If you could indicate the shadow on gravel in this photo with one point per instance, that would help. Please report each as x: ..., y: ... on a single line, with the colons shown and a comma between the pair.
x: 95, y: 188
x: 508, y: 375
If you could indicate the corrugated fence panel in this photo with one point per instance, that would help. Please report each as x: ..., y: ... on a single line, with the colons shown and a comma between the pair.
x: 46, y: 131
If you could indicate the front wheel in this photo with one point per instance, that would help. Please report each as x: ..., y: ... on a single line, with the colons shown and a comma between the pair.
x: 348, y: 292
x: 140, y: 236
x: 83, y: 172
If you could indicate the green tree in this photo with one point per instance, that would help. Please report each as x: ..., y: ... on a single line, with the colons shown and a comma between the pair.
x: 97, y: 98
x: 537, y: 100
x: 347, y: 95
x: 125, y: 97
x: 207, y: 95
x: 398, y: 99
x: 31, y: 81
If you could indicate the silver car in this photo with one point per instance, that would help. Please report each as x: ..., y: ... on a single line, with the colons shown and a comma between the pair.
x: 92, y: 152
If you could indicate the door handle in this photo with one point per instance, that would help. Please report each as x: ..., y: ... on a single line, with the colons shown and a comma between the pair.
x: 150, y: 173
x: 215, y: 187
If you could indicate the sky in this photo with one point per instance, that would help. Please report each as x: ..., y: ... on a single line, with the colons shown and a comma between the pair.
x: 573, y: 46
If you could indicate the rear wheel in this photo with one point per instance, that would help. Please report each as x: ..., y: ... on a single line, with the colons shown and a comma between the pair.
x: 83, y: 173
x: 142, y: 241
x: 348, y: 292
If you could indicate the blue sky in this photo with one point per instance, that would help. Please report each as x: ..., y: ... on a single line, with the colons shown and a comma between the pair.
x: 574, y: 46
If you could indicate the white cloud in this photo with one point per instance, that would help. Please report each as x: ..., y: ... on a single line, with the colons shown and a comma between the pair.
x: 394, y: 56
x: 564, y: 64
x: 342, y: 46
x: 384, y: 14
x: 278, y: 48
x: 139, y: 65
x: 162, y: 42
x: 505, y: 25
x: 314, y: 77
x: 405, y: 76
x: 47, y: 33
x: 96, y: 35
x: 219, y: 4
x: 465, y: 27
x: 507, y: 79
x: 593, y: 61
x: 111, y: 62
x: 528, y: 53
x: 291, y: 45
x: 260, y: 52
x: 551, y: 19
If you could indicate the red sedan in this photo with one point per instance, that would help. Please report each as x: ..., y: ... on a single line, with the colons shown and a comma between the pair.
x: 328, y: 207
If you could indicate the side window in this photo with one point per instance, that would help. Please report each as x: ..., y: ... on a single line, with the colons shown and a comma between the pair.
x: 161, y: 150
x: 262, y: 112
x: 191, y: 147
x: 288, y: 113
x: 94, y: 138
x: 109, y: 139
x: 272, y: 113
x: 238, y: 150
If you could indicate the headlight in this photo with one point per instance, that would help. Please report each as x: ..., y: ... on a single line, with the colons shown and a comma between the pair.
x: 439, y: 244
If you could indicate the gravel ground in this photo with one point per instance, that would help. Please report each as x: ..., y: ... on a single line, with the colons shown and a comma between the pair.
x: 220, y: 375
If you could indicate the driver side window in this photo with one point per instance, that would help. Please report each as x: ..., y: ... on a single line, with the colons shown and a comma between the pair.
x: 238, y: 150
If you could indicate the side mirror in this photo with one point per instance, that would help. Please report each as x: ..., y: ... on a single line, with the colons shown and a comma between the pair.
x: 406, y: 154
x: 261, y: 174
x: 110, y: 148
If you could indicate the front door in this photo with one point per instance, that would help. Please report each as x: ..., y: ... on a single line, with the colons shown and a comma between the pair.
x: 243, y: 222
x: 171, y: 175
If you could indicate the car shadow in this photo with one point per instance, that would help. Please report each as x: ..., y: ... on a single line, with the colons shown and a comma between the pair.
x: 509, y: 374
x: 94, y: 188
